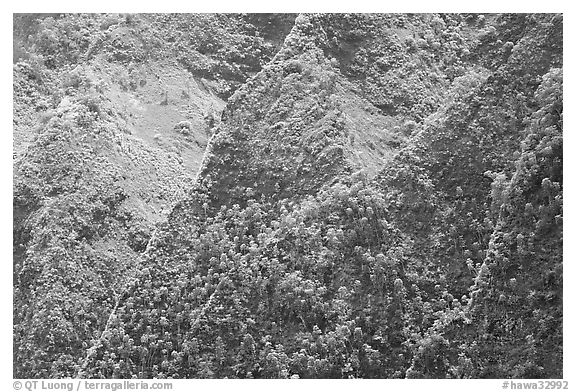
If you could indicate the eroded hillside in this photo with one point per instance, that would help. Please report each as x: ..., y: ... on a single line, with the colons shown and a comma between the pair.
x: 377, y: 196
x: 110, y: 127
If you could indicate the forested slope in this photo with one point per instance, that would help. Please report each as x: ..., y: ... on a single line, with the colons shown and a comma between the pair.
x: 110, y: 128
x: 381, y: 197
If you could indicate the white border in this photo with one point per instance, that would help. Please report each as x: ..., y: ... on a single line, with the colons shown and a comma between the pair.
x: 291, y: 6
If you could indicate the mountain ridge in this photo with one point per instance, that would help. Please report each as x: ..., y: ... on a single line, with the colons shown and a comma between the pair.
x: 347, y: 221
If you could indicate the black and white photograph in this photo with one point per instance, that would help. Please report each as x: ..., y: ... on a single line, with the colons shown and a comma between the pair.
x: 323, y: 195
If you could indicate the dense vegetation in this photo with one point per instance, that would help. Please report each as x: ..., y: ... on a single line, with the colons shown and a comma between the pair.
x: 381, y: 198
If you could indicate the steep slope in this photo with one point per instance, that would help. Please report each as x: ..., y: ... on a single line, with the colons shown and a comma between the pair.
x: 512, y: 326
x: 518, y: 293
x: 402, y: 64
x: 444, y: 175
x: 107, y: 138
x: 350, y: 281
x: 87, y: 196
x: 300, y: 109
x: 353, y: 216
